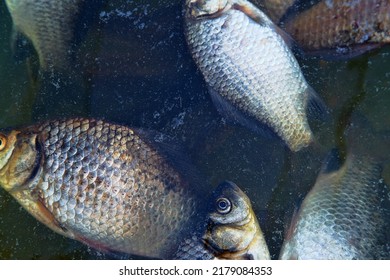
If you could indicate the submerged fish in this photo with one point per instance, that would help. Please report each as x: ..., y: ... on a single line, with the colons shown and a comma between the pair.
x: 345, y: 215
x: 341, y: 27
x: 103, y: 184
x: 252, y: 75
x: 49, y: 25
x: 231, y: 230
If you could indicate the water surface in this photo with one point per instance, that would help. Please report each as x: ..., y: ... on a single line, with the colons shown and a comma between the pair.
x: 133, y: 68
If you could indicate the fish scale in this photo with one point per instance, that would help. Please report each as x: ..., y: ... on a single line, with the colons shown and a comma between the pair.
x: 247, y: 65
x: 102, y: 184
x: 341, y: 27
x: 341, y: 217
x: 49, y: 25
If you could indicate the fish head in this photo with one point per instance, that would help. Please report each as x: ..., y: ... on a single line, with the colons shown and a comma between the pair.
x: 206, y: 8
x: 231, y: 205
x: 19, y: 159
x: 232, y: 226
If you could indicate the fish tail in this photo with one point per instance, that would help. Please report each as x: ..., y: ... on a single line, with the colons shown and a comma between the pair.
x: 316, y: 107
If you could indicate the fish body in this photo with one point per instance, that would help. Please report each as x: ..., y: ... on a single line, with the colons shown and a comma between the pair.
x: 252, y: 75
x: 231, y: 230
x: 343, y: 216
x: 103, y: 184
x: 341, y: 27
x: 49, y: 25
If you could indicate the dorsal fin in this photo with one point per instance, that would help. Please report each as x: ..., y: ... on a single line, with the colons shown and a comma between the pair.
x: 332, y: 162
x: 174, y: 153
x: 235, y: 116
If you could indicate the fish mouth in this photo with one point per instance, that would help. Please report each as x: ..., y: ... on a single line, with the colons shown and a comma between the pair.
x: 199, y: 11
x: 23, y: 164
x: 239, y: 251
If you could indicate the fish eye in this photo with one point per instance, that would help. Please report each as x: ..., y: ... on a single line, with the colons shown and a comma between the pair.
x: 3, y: 142
x: 223, y: 205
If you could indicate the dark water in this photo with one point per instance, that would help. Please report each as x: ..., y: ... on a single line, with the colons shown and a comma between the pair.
x: 132, y: 67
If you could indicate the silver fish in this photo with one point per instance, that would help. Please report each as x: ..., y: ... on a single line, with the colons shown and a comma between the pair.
x: 106, y: 185
x: 49, y: 25
x: 252, y: 75
x: 345, y: 215
x: 231, y: 230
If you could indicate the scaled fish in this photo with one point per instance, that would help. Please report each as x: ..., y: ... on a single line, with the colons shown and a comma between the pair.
x: 340, y: 28
x: 107, y: 185
x: 345, y: 215
x: 252, y: 75
x: 49, y: 25
x: 231, y: 230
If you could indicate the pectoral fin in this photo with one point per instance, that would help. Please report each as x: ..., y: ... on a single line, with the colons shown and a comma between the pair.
x: 49, y: 219
x: 38, y: 209
x: 235, y: 116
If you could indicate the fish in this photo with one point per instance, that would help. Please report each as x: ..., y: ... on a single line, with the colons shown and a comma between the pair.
x: 341, y: 28
x: 252, y: 75
x: 230, y: 231
x: 346, y: 215
x: 109, y: 186
x: 50, y: 26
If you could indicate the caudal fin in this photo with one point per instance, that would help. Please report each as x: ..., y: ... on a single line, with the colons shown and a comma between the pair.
x: 316, y: 107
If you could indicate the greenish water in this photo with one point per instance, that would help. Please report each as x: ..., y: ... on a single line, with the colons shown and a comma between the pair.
x: 134, y: 68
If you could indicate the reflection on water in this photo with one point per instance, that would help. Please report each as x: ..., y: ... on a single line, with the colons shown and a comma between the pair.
x: 133, y: 67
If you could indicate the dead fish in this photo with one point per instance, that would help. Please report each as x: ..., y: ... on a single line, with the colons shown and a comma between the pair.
x: 106, y: 185
x: 346, y: 214
x: 275, y: 8
x: 252, y: 75
x: 49, y: 25
x: 231, y: 230
x: 341, y: 28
